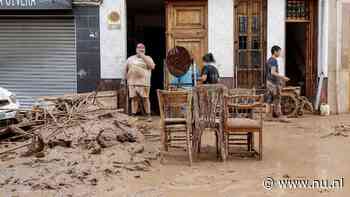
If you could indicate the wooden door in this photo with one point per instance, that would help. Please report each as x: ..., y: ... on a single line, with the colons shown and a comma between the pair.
x: 250, y: 43
x: 187, y: 26
x: 305, y: 12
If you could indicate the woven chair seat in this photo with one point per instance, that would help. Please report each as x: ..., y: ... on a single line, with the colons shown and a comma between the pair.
x: 175, y: 120
x: 242, y: 123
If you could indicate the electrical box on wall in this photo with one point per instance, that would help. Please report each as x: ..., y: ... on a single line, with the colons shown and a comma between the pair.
x: 113, y: 19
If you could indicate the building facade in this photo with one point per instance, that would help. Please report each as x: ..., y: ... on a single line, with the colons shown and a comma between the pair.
x: 88, y: 42
x: 240, y: 34
x: 48, y: 47
x: 337, y: 54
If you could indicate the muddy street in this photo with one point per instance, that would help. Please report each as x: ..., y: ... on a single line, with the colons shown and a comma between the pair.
x: 306, y: 148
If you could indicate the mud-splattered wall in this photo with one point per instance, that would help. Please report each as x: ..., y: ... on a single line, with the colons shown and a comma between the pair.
x: 346, y: 35
x: 346, y: 43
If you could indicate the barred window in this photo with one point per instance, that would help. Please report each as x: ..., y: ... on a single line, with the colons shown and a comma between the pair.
x: 298, y: 10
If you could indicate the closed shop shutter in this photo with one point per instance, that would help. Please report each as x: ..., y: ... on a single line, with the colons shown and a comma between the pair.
x: 37, y: 57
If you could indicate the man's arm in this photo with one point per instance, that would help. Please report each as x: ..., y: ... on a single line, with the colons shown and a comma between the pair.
x: 276, y: 74
x: 149, y: 61
x: 126, y: 69
x: 204, y: 75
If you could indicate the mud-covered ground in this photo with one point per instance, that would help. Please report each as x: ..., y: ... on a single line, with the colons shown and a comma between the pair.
x: 301, y: 149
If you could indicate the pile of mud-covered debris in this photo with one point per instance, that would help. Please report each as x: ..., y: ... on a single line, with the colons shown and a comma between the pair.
x: 73, y: 140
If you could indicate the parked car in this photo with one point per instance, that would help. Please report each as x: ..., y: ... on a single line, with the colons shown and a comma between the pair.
x: 8, y: 105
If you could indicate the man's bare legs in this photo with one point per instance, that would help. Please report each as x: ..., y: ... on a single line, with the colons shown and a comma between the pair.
x: 147, y: 106
x: 135, y: 101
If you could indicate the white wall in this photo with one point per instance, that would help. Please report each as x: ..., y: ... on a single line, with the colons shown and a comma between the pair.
x: 338, y: 73
x: 112, y: 41
x: 220, y: 34
x: 276, y: 28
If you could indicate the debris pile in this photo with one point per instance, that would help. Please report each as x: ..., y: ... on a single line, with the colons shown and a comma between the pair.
x: 339, y: 130
x: 73, y: 140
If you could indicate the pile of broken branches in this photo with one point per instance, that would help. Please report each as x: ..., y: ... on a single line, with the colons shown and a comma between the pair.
x: 73, y: 140
x: 48, y: 126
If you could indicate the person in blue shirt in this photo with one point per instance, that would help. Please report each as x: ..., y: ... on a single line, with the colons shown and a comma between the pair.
x: 274, y: 81
x: 188, y: 80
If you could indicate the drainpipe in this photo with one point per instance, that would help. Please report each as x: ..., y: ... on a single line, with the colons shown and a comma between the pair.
x: 325, y: 38
x: 339, y: 48
x: 320, y: 50
x: 323, y: 32
x: 321, y: 15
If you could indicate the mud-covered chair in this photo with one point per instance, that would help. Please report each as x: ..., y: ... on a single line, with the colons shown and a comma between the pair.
x: 241, y: 139
x: 176, y: 120
x: 208, y: 114
x: 243, y: 114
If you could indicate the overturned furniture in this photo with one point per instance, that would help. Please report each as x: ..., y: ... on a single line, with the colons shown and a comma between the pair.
x: 180, y: 70
x: 293, y: 104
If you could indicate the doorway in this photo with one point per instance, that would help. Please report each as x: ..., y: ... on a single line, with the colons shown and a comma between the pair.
x: 146, y: 24
x: 296, y: 55
x: 301, y: 45
x: 162, y: 25
x: 187, y: 26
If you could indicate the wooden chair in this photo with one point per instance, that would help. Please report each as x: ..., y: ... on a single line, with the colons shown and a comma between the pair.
x: 176, y: 120
x: 243, y: 114
x: 208, y: 114
x: 239, y: 139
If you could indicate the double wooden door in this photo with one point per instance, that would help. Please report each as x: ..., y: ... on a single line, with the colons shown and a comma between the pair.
x: 250, y: 43
x: 187, y: 26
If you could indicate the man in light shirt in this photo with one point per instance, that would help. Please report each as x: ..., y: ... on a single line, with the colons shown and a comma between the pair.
x: 138, y: 75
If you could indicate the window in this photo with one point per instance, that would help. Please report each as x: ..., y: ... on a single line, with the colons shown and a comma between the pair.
x: 250, y: 43
x: 298, y: 10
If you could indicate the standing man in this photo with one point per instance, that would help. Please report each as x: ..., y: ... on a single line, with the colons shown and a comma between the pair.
x: 138, y: 75
x: 275, y: 81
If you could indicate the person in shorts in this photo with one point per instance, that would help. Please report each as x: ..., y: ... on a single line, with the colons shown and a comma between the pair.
x: 275, y: 82
x: 138, y: 75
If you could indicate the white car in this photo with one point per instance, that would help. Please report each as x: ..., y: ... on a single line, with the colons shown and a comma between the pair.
x: 8, y: 105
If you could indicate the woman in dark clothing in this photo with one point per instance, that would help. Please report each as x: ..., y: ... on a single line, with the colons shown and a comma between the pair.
x: 210, y: 74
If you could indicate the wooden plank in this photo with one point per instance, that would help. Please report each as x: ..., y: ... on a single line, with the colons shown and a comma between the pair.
x: 30, y: 124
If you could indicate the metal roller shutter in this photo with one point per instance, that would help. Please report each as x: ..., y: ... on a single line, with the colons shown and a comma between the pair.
x: 37, y: 57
